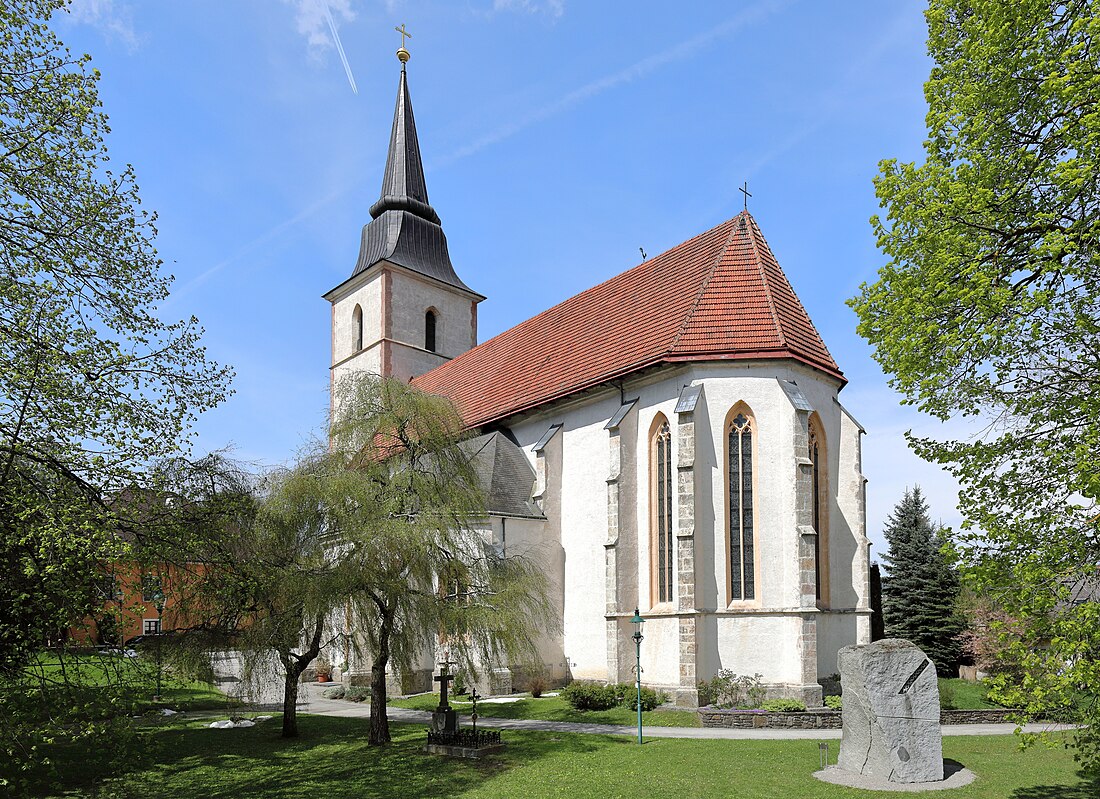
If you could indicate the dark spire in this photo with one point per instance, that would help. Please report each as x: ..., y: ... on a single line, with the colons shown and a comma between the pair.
x: 403, y: 187
x: 404, y: 228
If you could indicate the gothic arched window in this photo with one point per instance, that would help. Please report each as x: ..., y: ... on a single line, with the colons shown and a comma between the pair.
x: 819, y: 505
x: 429, y: 330
x: 661, y: 549
x: 741, y: 523
x: 357, y: 329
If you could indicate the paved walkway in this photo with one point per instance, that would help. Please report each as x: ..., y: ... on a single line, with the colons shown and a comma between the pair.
x: 313, y: 702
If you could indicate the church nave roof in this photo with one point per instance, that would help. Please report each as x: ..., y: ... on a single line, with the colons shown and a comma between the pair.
x: 718, y: 296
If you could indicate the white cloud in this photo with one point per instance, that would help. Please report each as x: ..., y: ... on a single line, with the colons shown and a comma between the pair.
x: 312, y: 20
x: 316, y: 22
x: 552, y: 8
x: 114, y: 20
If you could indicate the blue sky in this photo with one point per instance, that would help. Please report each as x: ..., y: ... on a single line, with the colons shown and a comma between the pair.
x: 558, y: 136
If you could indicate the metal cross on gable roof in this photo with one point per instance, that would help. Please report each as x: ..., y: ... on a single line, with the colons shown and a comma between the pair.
x: 745, y: 190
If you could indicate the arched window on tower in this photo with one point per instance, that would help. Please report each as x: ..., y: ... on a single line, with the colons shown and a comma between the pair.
x: 741, y: 539
x: 661, y: 538
x: 429, y: 330
x: 357, y: 329
x: 820, y: 506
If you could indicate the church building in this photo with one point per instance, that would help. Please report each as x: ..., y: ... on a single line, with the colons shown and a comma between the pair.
x: 669, y: 440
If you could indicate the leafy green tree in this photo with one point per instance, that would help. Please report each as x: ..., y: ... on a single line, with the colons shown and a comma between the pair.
x: 990, y: 306
x: 376, y: 531
x: 920, y: 593
x: 409, y: 506
x: 93, y: 385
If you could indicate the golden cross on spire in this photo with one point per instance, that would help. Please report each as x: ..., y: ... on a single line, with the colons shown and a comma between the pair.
x: 403, y: 54
x: 403, y: 33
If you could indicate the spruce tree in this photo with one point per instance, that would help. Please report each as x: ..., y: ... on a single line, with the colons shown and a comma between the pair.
x: 921, y: 589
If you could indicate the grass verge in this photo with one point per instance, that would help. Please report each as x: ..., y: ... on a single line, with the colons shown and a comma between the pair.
x: 332, y: 759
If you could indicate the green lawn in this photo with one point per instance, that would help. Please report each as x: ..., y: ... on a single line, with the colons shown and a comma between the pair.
x: 554, y: 708
x: 132, y: 681
x: 332, y: 760
x: 956, y: 694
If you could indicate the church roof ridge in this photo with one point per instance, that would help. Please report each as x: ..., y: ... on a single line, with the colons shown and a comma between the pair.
x: 754, y: 228
x: 716, y: 296
x: 703, y: 288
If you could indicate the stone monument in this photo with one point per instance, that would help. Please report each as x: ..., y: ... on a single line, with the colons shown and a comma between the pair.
x: 891, y: 712
x: 444, y: 717
x: 445, y: 737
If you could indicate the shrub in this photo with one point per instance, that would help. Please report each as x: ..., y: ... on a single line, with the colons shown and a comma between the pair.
x: 947, y: 696
x: 728, y: 689
x: 783, y: 705
x: 833, y: 702
x: 335, y: 692
x: 706, y: 693
x: 830, y: 685
x: 650, y: 698
x: 357, y: 693
x: 537, y: 685
x: 459, y: 687
x: 590, y: 696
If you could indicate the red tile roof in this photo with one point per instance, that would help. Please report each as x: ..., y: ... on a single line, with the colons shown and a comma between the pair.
x: 720, y: 295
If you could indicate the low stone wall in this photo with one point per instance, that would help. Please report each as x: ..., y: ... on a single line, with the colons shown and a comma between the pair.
x: 827, y: 719
x: 977, y: 716
x: 748, y: 719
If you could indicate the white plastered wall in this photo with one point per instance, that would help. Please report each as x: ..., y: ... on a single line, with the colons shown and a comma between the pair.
x: 749, y: 637
x: 410, y: 298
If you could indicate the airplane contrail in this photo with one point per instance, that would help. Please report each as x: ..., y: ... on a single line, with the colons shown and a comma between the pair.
x: 339, y: 46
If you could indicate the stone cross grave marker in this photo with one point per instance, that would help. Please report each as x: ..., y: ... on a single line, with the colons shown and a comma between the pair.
x: 444, y: 719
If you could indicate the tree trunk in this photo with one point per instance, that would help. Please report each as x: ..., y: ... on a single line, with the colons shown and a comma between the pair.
x: 293, y: 666
x: 290, y: 699
x: 379, y: 724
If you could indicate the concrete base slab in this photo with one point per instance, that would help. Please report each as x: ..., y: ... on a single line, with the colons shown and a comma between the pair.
x: 469, y: 752
x: 954, y: 776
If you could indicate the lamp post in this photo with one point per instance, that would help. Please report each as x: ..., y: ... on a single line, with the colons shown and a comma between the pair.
x: 158, y: 602
x: 638, y: 623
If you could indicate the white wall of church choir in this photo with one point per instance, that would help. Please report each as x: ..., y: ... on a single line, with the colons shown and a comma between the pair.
x: 749, y: 637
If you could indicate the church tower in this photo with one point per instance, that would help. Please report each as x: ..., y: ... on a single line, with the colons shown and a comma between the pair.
x: 404, y: 310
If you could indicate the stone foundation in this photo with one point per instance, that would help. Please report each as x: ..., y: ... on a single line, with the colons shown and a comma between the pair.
x: 683, y: 697
x: 468, y: 752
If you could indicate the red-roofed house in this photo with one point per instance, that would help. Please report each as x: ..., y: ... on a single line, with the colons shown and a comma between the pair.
x: 670, y: 440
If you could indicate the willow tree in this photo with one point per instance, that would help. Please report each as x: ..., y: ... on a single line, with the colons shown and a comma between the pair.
x: 990, y: 306
x: 408, y: 509
x: 366, y: 529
